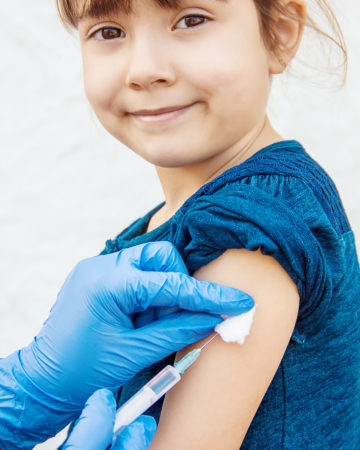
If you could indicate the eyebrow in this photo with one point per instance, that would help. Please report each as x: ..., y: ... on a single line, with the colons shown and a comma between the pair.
x: 96, y: 9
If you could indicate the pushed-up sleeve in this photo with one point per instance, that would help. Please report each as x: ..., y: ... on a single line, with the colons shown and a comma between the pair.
x: 292, y: 228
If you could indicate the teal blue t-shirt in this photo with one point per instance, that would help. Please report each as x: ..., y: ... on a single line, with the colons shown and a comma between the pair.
x: 281, y: 201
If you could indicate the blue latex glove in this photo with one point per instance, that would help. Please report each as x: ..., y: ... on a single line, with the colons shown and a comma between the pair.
x: 94, y: 429
x: 91, y: 339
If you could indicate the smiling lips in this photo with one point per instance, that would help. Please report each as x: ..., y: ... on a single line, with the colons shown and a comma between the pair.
x: 160, y: 115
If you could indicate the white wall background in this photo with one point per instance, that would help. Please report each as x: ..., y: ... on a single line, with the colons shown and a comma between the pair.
x: 67, y: 186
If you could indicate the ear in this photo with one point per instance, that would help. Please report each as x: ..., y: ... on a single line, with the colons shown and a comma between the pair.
x: 289, y: 30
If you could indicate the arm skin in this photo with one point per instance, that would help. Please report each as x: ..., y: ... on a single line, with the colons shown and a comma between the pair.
x: 213, y: 406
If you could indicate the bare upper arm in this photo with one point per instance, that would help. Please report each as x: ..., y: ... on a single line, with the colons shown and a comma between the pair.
x: 214, y: 404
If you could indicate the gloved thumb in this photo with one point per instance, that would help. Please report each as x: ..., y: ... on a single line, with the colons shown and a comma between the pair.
x: 94, y: 428
x: 164, y: 336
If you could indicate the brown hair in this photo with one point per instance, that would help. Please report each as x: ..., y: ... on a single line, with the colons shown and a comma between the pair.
x: 266, y: 9
x: 70, y: 13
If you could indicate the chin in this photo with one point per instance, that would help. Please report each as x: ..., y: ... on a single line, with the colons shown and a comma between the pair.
x: 169, y: 158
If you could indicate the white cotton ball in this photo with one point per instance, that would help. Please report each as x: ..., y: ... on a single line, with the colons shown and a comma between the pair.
x: 236, y: 328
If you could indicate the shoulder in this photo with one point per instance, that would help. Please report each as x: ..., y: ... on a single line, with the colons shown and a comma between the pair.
x: 290, y: 215
x: 281, y: 201
x: 278, y: 213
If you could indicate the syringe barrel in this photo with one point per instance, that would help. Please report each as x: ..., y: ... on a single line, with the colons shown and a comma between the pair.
x: 164, y: 380
x: 147, y: 396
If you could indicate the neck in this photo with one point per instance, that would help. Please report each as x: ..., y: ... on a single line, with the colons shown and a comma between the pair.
x: 180, y: 183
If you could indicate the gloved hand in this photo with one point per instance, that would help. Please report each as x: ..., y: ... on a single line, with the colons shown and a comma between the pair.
x: 94, y: 429
x: 90, y: 339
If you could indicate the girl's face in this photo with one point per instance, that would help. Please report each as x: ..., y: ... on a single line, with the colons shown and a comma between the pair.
x: 178, y: 86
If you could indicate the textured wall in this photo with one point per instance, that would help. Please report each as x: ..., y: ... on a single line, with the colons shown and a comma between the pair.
x: 67, y: 186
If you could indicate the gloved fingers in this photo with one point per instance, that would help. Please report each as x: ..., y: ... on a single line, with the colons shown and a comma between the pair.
x: 153, y: 313
x: 144, y: 317
x: 171, y: 333
x: 94, y: 428
x: 178, y: 289
x: 138, y: 435
x: 160, y: 256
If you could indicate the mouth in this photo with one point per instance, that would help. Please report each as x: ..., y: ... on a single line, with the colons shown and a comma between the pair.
x: 160, y: 115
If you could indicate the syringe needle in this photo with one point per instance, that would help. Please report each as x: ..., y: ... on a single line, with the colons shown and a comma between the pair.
x: 208, y: 342
x: 189, y: 359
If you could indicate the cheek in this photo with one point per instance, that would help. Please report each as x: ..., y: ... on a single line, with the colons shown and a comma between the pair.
x: 99, y: 84
x: 230, y: 74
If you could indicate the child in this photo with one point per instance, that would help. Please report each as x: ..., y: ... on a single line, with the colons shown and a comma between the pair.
x: 185, y: 85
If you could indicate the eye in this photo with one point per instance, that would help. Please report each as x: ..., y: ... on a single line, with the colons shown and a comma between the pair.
x: 192, y: 21
x: 107, y: 34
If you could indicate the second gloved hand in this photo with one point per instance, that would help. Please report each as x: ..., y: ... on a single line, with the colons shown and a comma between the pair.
x: 94, y: 428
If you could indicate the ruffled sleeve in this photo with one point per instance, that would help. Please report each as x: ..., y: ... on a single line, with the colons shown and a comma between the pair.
x: 282, y: 217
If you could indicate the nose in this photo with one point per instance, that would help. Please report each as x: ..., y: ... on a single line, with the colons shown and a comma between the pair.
x: 149, y: 63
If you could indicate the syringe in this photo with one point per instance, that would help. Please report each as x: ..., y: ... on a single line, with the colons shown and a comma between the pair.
x: 158, y: 386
